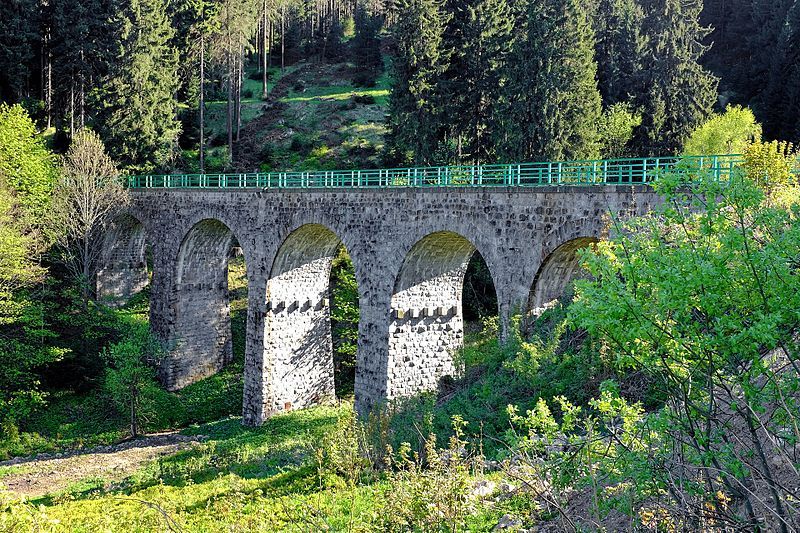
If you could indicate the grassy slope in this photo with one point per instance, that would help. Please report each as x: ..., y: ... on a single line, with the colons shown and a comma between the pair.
x: 316, y: 119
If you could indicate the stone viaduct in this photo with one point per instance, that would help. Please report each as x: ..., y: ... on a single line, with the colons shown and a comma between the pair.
x: 410, y: 249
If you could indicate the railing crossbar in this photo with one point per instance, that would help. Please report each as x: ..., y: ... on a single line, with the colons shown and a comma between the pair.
x: 628, y: 171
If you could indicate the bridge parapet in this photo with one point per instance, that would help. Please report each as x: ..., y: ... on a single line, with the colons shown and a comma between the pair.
x: 629, y: 171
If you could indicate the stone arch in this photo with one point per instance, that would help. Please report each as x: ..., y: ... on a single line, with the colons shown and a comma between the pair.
x: 298, y: 346
x: 559, y: 268
x: 122, y: 269
x: 426, y: 323
x: 201, y: 343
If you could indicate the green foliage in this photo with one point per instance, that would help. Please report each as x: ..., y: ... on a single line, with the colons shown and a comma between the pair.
x: 551, y: 105
x: 366, y: 48
x: 479, y: 296
x: 430, y: 491
x: 729, y: 133
x: 592, y: 448
x: 27, y: 168
x: 139, y: 113
x: 27, y: 174
x: 344, y: 321
x: 621, y: 50
x: 419, y: 61
x: 771, y: 165
x: 616, y: 130
x: 477, y: 39
x: 130, y: 379
x: 701, y: 295
x: 678, y: 93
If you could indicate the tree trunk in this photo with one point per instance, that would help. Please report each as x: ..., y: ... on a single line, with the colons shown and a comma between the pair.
x: 202, y: 104
x: 134, y: 424
x: 239, y: 80
x: 264, y: 53
x: 72, y: 107
x: 269, y: 54
x: 283, y: 40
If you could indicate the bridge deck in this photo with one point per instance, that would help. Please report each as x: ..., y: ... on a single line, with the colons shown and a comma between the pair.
x: 638, y: 171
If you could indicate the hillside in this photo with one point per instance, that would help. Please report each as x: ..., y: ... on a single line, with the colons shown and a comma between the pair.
x: 315, y: 119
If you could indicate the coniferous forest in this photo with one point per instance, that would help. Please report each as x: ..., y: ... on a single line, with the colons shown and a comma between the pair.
x: 471, y: 81
x: 660, y: 391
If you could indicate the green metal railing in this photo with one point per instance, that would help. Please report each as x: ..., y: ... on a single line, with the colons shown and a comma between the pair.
x: 573, y: 173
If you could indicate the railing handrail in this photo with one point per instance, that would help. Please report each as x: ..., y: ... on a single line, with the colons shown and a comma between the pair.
x: 622, y: 171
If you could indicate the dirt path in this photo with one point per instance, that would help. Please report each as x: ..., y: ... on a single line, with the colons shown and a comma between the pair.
x: 49, y: 474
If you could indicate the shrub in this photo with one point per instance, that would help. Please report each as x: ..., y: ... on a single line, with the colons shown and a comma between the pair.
x: 701, y: 295
x: 770, y: 165
x: 431, y: 491
x: 616, y: 129
x: 130, y: 378
x: 729, y: 133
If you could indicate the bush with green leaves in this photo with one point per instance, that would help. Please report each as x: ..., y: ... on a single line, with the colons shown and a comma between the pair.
x: 616, y: 128
x: 728, y: 133
x: 344, y: 321
x: 703, y: 296
x: 130, y: 378
x: 27, y: 176
x: 430, y: 490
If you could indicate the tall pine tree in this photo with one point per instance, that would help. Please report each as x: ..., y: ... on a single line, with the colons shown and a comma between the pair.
x: 415, y: 118
x: 82, y: 49
x: 19, y: 24
x: 680, y: 93
x: 478, y: 38
x: 551, y: 105
x: 781, y: 103
x: 139, y: 120
x: 621, y: 49
x: 366, y: 47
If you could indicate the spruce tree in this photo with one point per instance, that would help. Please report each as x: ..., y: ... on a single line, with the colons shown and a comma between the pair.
x: 781, y: 102
x: 478, y: 38
x: 19, y: 21
x: 82, y: 46
x: 139, y: 120
x: 680, y: 92
x: 414, y: 115
x: 551, y: 105
x: 620, y: 50
x: 366, y: 48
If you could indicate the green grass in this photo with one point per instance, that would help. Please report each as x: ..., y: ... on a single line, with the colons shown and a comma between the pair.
x: 258, y: 479
x: 336, y: 93
x: 72, y: 420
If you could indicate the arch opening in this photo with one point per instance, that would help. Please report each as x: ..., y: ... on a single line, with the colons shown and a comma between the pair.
x: 299, y: 345
x: 427, y: 312
x: 210, y: 276
x: 124, y: 267
x: 559, y: 269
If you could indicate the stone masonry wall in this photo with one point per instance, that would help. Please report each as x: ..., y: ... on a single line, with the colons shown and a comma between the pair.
x: 409, y: 248
x: 123, y: 268
x: 427, y: 321
x: 298, y: 323
x: 200, y: 343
